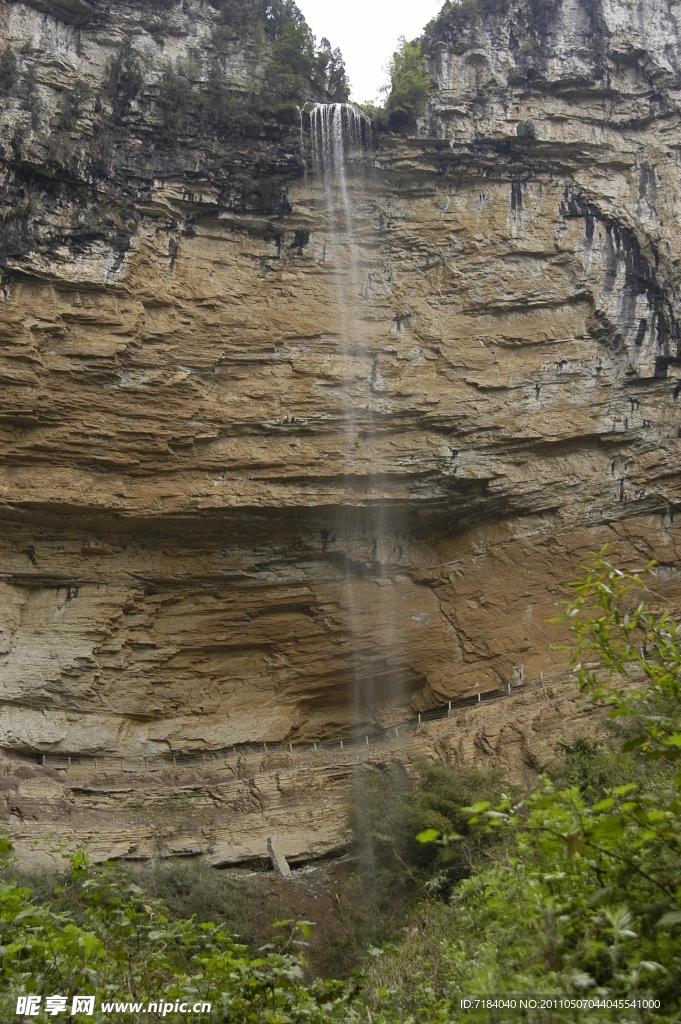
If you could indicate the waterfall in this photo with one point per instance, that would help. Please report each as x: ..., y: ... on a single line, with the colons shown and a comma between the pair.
x: 337, y: 130
x: 339, y: 137
x: 302, y: 140
x: 333, y: 134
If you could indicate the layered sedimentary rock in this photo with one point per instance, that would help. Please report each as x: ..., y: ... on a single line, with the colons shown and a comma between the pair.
x: 275, y: 472
x: 226, y: 808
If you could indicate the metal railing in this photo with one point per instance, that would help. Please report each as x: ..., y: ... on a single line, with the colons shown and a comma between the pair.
x: 235, y: 752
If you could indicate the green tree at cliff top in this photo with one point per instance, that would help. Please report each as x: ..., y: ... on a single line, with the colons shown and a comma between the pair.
x: 410, y: 84
x: 296, y: 65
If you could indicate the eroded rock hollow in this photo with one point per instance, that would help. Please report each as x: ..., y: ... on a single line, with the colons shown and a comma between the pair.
x: 289, y: 455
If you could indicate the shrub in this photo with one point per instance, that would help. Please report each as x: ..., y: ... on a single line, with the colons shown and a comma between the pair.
x: 124, y: 79
x: 118, y: 942
x: 378, y: 116
x: 72, y: 106
x: 388, y: 808
x: 236, y: 18
x: 409, y: 85
x: 31, y: 97
x: 581, y: 903
x: 239, y: 20
x: 8, y: 70
x: 175, y: 99
x: 589, y: 767
x: 217, y: 104
x: 224, y: 113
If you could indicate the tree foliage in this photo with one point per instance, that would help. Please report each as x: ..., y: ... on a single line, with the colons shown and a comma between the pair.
x: 637, y: 652
x: 329, y: 73
x: 409, y: 85
x: 295, y: 65
x: 8, y: 70
x: 124, y: 78
x: 287, y: 68
x: 123, y: 946
x: 175, y: 98
x: 73, y: 103
x: 290, y: 71
x: 583, y: 904
x: 297, y: 62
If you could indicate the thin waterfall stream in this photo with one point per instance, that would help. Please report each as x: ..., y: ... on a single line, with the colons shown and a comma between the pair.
x: 335, y: 149
x: 339, y: 138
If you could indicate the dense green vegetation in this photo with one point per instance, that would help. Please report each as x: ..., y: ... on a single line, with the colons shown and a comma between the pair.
x: 8, y: 69
x: 124, y: 79
x: 123, y: 944
x: 295, y: 67
x: 277, y: 40
x: 410, y: 84
x: 175, y: 98
x: 388, y: 811
x: 465, y: 888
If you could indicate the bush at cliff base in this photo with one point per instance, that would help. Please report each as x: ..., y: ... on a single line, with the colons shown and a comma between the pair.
x: 586, y: 902
x: 124, y: 947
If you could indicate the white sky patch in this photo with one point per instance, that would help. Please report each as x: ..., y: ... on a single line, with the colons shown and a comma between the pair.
x: 367, y: 32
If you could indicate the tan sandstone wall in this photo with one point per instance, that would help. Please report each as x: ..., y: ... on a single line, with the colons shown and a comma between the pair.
x: 266, y: 479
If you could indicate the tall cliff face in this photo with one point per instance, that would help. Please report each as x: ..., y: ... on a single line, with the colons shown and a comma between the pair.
x: 280, y: 463
x: 588, y: 94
